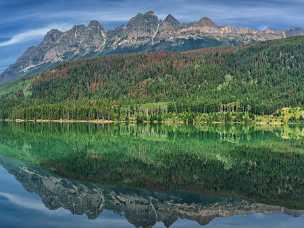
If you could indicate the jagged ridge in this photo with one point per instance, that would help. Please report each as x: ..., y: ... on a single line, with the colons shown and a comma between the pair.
x: 144, y: 32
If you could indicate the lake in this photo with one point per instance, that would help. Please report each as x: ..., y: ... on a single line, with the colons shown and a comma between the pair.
x: 86, y: 175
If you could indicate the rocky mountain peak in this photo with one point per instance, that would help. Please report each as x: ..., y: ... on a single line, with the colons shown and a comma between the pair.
x: 81, y: 35
x: 148, y: 17
x: 78, y: 27
x: 143, y: 24
x: 171, y: 21
x: 52, y: 36
x: 150, y: 13
x: 95, y: 25
x: 206, y: 22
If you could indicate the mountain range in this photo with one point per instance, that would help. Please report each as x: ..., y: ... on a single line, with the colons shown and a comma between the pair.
x: 144, y: 32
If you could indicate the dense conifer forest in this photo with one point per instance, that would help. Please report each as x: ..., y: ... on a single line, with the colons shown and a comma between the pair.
x: 209, y: 85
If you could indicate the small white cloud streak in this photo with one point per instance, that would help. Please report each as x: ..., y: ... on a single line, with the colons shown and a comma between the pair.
x: 23, y: 202
x: 32, y: 34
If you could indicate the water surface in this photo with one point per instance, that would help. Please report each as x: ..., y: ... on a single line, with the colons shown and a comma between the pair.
x: 84, y: 175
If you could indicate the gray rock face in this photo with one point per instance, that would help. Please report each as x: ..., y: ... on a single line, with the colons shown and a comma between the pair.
x: 80, y: 40
x: 206, y: 22
x: 142, y: 25
x: 144, y: 32
x: 170, y: 23
x: 58, y: 46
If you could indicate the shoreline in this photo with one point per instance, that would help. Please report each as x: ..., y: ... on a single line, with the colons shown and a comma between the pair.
x: 60, y: 121
x: 258, y: 123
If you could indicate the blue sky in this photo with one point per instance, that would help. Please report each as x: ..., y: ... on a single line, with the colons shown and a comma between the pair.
x: 24, y: 22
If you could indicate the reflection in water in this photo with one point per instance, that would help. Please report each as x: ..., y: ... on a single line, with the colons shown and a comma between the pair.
x: 221, y: 170
x: 141, y: 208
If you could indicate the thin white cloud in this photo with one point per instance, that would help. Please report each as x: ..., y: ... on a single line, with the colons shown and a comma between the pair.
x: 23, y: 202
x: 32, y: 34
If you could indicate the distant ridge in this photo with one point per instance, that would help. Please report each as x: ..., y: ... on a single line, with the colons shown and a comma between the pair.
x: 206, y: 22
x: 144, y: 32
x: 171, y: 22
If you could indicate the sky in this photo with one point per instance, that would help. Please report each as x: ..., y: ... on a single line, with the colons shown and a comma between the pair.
x: 23, y: 23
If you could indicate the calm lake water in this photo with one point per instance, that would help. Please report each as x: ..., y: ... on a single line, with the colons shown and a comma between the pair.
x: 82, y: 175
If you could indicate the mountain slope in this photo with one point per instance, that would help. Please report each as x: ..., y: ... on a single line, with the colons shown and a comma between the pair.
x: 58, y: 46
x: 143, y: 33
x: 259, y: 79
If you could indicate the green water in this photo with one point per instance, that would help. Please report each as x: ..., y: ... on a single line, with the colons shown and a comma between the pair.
x: 236, y: 169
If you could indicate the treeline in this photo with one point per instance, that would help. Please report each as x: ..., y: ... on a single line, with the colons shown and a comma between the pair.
x: 249, y: 81
x: 162, y: 112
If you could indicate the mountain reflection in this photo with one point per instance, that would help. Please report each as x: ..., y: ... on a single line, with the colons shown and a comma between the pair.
x: 141, y: 208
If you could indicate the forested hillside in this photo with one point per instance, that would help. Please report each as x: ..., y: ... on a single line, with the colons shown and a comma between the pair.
x: 233, y: 84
